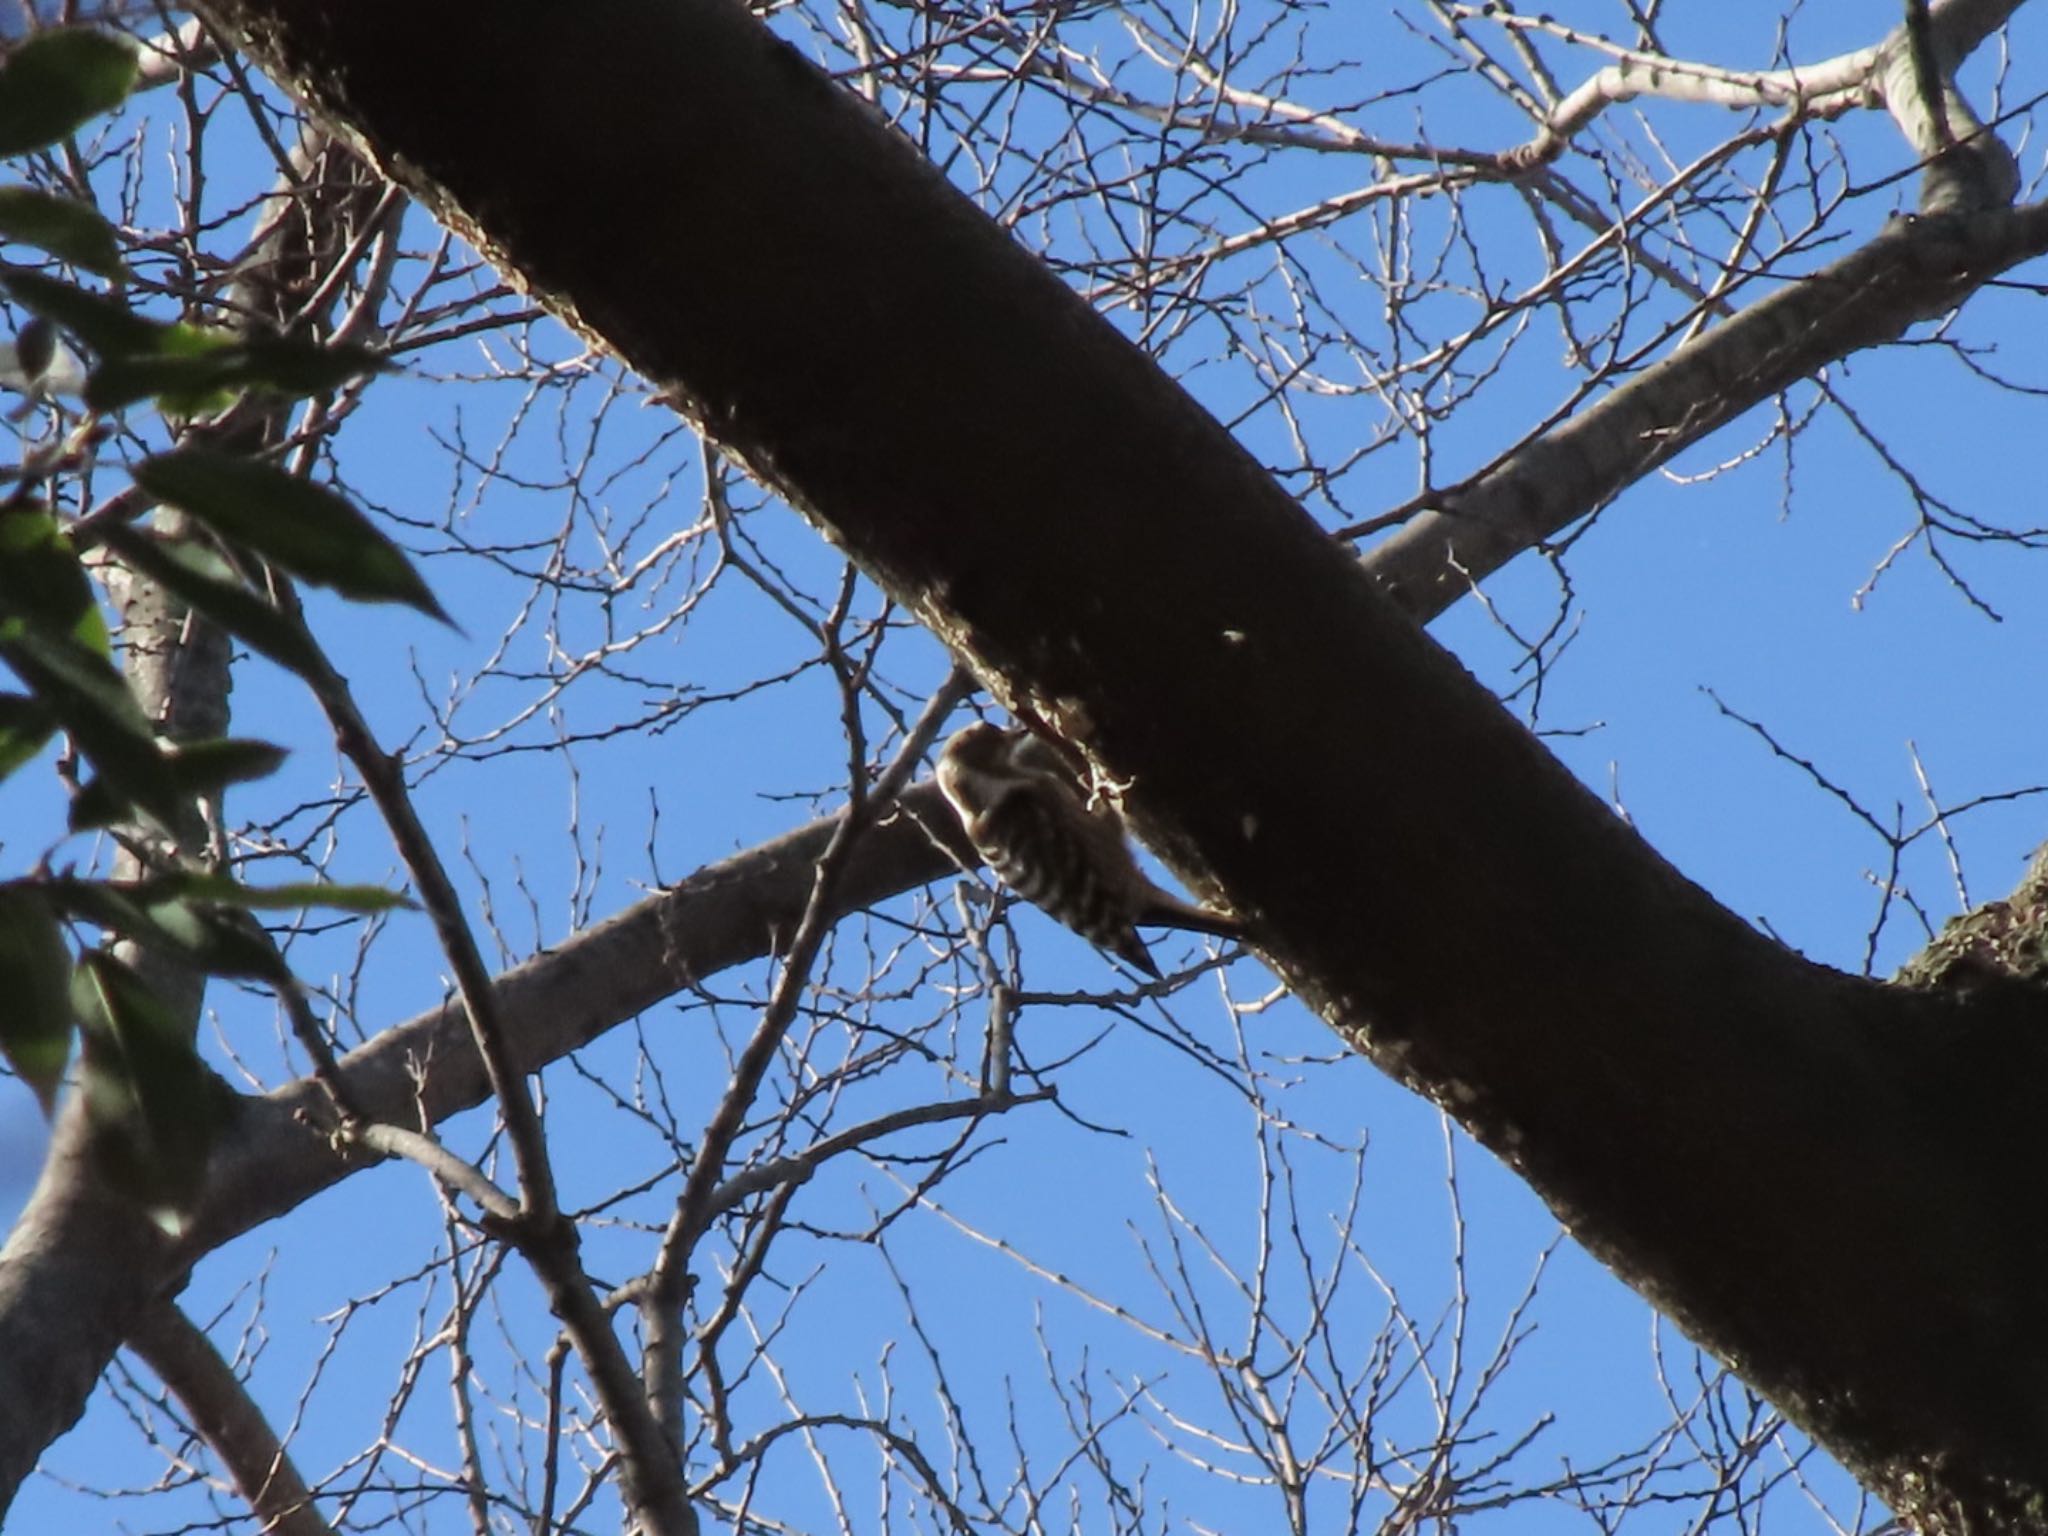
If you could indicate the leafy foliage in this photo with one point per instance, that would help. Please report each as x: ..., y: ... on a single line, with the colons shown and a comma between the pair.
x: 155, y: 1107
x: 187, y: 369
x: 66, y: 229
x: 298, y: 526
x: 59, y: 81
x: 35, y: 971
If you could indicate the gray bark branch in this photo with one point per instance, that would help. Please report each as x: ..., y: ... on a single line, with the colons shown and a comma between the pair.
x: 185, y: 1360
x: 1862, y: 1248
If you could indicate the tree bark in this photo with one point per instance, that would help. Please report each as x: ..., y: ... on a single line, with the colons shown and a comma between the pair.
x: 1811, y: 1173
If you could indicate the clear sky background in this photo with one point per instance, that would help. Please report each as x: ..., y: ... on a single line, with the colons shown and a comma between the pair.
x: 1751, y: 586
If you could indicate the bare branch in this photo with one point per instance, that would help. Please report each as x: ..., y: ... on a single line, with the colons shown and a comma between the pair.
x: 185, y: 1360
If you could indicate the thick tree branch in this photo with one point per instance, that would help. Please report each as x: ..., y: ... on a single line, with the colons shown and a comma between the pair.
x: 1884, y: 74
x: 1023, y: 474
x: 1808, y: 1171
x: 185, y: 1360
x: 1913, y: 270
x: 650, y: 1482
x: 427, y: 1069
x: 78, y: 1268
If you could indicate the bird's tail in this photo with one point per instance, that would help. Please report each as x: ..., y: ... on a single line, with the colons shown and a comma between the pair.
x: 1167, y: 912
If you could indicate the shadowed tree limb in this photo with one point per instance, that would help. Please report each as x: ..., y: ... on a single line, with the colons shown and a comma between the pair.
x: 1805, y: 1169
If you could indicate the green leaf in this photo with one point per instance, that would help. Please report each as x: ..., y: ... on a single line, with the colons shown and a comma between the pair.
x: 83, y: 689
x: 340, y: 898
x: 280, y: 365
x: 205, y: 767
x: 58, y: 81
x: 346, y: 898
x: 209, y: 584
x: 88, y: 698
x: 52, y: 634
x: 109, y: 904
x: 68, y: 230
x: 295, y: 365
x: 186, y: 386
x: 25, y: 725
x: 99, y: 803
x: 160, y: 916
x: 187, y: 367
x: 35, y: 980
x: 304, y: 528
x: 35, y: 348
x: 203, y: 919
x: 182, y: 386
x: 41, y: 582
x: 155, y: 1108
x: 189, y: 769
x: 103, y: 323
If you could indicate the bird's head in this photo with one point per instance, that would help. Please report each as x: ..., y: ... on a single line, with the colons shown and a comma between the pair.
x: 980, y: 745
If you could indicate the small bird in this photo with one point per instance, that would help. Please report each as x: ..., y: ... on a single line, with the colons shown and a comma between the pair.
x: 1030, y: 818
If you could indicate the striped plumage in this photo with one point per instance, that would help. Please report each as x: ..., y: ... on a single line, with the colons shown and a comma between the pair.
x: 1029, y: 818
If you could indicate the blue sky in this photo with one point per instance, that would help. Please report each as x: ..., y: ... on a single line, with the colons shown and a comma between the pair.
x: 1750, y: 584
